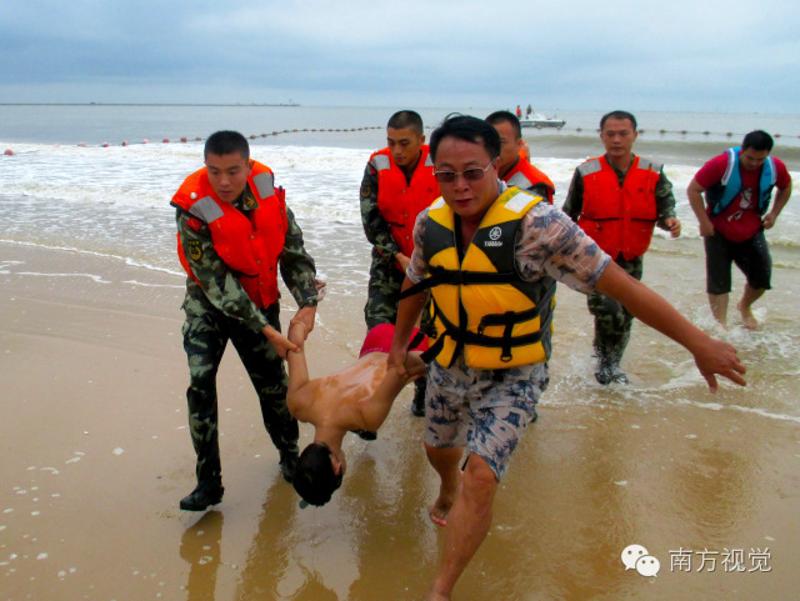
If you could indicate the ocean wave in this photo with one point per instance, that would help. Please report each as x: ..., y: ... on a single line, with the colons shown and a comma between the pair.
x: 126, y: 260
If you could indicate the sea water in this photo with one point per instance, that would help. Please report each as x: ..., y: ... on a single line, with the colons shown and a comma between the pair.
x: 62, y: 189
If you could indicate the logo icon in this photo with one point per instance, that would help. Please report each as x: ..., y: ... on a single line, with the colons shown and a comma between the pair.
x: 495, y: 233
x: 636, y: 557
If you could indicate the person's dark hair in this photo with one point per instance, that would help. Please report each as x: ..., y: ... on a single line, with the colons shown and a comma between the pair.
x: 314, y: 479
x: 758, y: 140
x: 505, y: 117
x: 227, y: 142
x: 406, y: 120
x: 469, y: 129
x: 618, y: 115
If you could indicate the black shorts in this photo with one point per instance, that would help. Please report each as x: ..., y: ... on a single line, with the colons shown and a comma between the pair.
x: 751, y: 256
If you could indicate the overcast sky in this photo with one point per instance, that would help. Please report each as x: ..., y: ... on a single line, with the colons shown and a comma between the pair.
x: 560, y: 54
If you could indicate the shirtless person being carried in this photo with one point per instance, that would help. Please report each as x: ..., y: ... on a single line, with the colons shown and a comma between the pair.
x: 356, y: 399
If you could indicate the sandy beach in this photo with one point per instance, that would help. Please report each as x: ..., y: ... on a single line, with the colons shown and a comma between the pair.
x: 96, y: 455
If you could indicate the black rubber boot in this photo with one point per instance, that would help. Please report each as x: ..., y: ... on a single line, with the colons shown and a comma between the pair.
x: 608, y: 372
x: 288, y: 463
x: 202, y: 497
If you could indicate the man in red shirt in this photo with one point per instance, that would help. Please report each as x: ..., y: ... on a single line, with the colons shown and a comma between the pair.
x: 738, y: 185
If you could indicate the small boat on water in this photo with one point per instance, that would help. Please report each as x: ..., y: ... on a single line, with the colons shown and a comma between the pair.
x: 539, y: 121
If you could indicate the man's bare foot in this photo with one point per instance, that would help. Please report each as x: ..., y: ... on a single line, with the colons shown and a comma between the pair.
x: 438, y: 513
x: 439, y: 510
x: 749, y: 320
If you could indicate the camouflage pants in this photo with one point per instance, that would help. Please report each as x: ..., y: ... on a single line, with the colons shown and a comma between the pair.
x: 612, y: 321
x: 206, y: 332
x: 383, y: 295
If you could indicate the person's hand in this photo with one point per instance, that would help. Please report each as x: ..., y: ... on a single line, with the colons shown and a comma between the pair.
x: 279, y: 342
x: 402, y: 261
x: 706, y: 228
x: 674, y: 225
x: 415, y: 366
x: 297, y: 334
x: 305, y: 316
x: 768, y: 221
x: 715, y: 357
x: 397, y: 360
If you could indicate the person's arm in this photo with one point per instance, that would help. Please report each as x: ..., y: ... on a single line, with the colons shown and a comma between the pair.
x: 665, y: 207
x: 695, y: 194
x: 409, y: 309
x: 299, y: 273
x: 296, y: 360
x: 408, y: 312
x: 375, y: 410
x: 573, y: 205
x: 781, y: 198
x: 375, y: 226
x: 711, y: 356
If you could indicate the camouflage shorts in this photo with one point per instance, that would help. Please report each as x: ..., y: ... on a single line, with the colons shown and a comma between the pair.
x: 485, y: 411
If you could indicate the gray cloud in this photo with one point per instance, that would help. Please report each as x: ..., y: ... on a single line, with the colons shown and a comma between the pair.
x: 580, y: 54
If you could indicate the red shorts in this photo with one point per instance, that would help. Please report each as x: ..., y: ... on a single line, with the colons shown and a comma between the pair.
x: 379, y: 340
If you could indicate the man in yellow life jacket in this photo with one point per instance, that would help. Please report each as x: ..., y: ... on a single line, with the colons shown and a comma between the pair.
x: 398, y: 183
x: 490, y: 255
x: 618, y: 198
x: 514, y: 163
x: 234, y: 233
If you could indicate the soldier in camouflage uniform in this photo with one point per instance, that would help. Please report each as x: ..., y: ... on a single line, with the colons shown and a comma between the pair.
x: 612, y: 322
x: 406, y: 144
x: 218, y: 308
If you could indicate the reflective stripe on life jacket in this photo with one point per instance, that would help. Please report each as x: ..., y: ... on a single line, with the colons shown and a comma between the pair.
x: 482, y: 308
x: 524, y: 175
x: 619, y: 219
x: 399, y: 202
x: 720, y: 197
x: 248, y: 242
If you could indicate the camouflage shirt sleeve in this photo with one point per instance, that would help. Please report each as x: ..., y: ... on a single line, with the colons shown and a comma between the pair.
x: 551, y: 244
x: 217, y: 282
x: 665, y: 200
x: 417, y: 266
x: 297, y: 267
x: 573, y: 205
x: 375, y: 226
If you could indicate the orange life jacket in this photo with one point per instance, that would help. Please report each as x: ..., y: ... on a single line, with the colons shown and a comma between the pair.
x: 524, y: 176
x: 619, y: 219
x: 248, y: 242
x: 400, y: 202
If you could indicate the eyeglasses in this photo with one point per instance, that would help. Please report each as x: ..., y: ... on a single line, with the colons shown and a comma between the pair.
x: 470, y: 175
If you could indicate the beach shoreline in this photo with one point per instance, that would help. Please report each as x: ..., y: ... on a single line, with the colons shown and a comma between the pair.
x: 97, y: 455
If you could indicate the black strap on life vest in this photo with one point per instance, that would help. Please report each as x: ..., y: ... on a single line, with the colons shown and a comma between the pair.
x: 416, y: 340
x: 456, y: 277
x: 506, y: 342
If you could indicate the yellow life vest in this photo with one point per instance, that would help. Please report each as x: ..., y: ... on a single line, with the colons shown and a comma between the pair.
x: 482, y: 307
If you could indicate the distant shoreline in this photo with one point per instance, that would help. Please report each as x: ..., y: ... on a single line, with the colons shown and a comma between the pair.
x: 254, y: 104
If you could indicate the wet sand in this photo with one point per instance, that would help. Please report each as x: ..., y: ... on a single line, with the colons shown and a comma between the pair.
x: 96, y: 455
